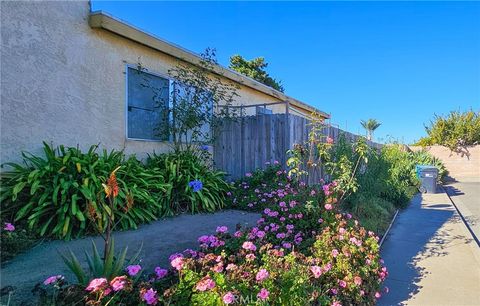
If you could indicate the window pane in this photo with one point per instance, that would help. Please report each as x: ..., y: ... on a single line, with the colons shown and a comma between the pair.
x: 148, y: 100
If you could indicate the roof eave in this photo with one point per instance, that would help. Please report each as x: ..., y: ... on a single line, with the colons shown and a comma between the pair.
x: 101, y: 20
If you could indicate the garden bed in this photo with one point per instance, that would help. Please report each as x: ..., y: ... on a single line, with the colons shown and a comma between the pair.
x: 158, y: 240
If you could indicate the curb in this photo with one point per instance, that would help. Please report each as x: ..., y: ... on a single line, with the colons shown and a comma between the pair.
x: 462, y: 217
x: 388, y: 229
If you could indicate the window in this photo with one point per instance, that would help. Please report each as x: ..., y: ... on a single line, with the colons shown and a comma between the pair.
x: 147, y: 106
x: 150, y: 104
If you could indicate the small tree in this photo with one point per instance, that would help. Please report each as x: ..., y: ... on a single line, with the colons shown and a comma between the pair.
x: 255, y: 69
x: 200, y: 101
x: 370, y: 126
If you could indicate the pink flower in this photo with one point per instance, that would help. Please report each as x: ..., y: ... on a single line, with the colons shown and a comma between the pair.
x: 237, y: 234
x: 334, y: 252
x: 262, y: 274
x: 231, y: 266
x: 118, y: 283
x: 177, y: 263
x: 326, y: 190
x: 357, y: 280
x: 161, y: 273
x: 205, y: 284
x: 96, y: 284
x: 52, y: 279
x: 248, y: 245
x: 250, y: 257
x: 329, y: 140
x: 133, y: 269
x: 336, y: 303
x: 316, y: 270
x: 328, y: 206
x: 312, y: 193
x: 320, y: 220
x: 228, y: 298
x: 9, y: 227
x: 378, y: 295
x: 342, y: 283
x: 263, y: 294
x: 222, y: 229
x: 150, y: 297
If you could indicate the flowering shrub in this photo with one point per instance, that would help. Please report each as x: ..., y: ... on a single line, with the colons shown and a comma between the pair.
x: 302, y: 251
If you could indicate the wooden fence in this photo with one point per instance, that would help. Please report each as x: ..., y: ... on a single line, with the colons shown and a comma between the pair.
x: 248, y: 143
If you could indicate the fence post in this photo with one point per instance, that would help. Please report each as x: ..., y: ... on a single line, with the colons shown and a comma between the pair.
x: 287, y: 130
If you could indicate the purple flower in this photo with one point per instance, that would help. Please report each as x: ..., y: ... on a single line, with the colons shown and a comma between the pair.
x: 52, y: 279
x: 133, y: 270
x: 150, y: 297
x: 248, y: 174
x: 204, y: 148
x: 9, y: 227
x: 161, y: 273
x: 196, y: 185
x: 222, y: 229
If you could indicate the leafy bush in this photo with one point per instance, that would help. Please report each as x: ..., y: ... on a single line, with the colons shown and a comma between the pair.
x: 61, y: 195
x: 58, y: 194
x: 453, y: 131
x: 179, y: 170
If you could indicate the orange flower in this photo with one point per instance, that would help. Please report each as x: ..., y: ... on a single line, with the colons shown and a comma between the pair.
x: 111, y: 188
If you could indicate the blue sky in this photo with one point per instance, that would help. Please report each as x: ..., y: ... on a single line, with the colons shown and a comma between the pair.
x: 398, y: 62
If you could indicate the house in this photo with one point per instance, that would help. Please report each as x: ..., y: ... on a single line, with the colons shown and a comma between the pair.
x: 66, y: 79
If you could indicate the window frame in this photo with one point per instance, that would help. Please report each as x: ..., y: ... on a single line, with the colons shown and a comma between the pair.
x: 170, y: 87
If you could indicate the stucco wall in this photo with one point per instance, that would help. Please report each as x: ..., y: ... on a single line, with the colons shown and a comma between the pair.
x: 64, y: 82
x: 460, y: 165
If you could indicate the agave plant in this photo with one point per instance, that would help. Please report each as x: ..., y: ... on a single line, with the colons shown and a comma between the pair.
x: 108, y: 267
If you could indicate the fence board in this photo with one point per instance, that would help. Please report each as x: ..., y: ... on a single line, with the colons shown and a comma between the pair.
x: 246, y: 144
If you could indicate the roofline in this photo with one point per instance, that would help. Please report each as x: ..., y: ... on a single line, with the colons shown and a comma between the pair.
x: 101, y: 20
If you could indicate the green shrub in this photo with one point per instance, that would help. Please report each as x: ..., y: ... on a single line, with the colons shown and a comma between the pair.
x: 453, y: 131
x: 179, y: 169
x: 58, y: 194
x: 424, y: 158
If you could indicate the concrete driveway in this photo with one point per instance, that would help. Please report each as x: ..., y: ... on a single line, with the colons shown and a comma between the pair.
x: 466, y: 196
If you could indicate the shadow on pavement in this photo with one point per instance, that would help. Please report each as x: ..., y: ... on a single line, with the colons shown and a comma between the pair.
x: 416, y: 235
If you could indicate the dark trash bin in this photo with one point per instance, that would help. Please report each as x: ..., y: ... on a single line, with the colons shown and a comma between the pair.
x: 428, y: 178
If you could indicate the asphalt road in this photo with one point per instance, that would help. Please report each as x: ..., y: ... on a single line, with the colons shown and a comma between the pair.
x: 466, y: 196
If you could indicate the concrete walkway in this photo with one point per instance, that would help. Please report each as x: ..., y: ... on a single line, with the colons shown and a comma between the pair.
x: 431, y: 256
x: 160, y: 239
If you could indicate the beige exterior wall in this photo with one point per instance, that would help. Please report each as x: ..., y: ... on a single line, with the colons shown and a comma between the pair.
x: 460, y: 165
x: 64, y: 82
